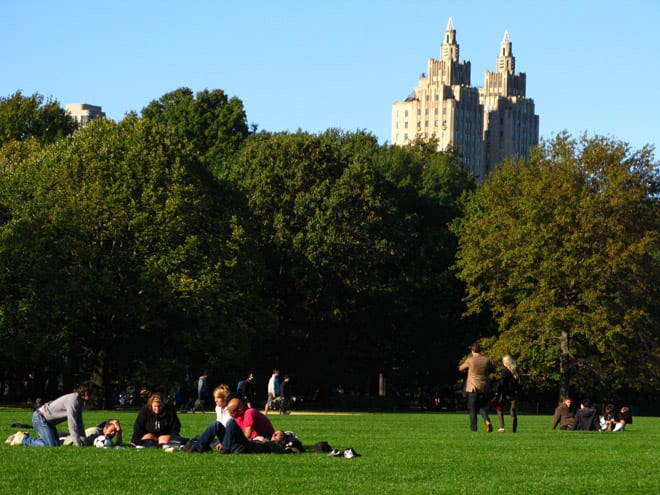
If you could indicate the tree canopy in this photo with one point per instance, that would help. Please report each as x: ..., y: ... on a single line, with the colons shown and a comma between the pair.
x: 22, y: 117
x: 120, y: 255
x: 563, y: 250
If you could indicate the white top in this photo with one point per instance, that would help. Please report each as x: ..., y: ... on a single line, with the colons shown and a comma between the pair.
x: 222, y: 415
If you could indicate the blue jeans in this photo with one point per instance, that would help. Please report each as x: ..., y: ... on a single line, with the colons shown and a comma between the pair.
x: 46, y: 431
x: 203, y: 441
x: 234, y: 441
x: 476, y: 400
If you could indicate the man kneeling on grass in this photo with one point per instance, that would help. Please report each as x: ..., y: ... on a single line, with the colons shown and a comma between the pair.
x: 248, y: 431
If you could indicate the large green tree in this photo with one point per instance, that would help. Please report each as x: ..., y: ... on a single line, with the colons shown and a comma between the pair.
x: 563, y: 251
x: 358, y: 252
x: 22, y: 117
x: 212, y: 123
x: 121, y: 255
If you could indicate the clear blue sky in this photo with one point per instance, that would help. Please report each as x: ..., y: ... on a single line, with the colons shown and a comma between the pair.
x: 591, y: 66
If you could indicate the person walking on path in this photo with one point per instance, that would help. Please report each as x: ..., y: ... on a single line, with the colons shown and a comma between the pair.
x: 273, y: 390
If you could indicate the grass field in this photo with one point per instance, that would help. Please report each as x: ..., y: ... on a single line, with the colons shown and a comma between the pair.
x: 425, y: 453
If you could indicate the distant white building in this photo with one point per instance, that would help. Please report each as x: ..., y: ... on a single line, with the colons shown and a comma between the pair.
x: 83, y: 113
x: 484, y: 125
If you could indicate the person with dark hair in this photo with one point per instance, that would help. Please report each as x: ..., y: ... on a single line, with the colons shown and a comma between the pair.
x: 246, y: 390
x: 285, y: 394
x: 587, y: 417
x: 564, y: 416
x: 156, y: 424
x: 625, y: 419
x: 45, y: 418
x: 110, y: 430
x: 477, y: 385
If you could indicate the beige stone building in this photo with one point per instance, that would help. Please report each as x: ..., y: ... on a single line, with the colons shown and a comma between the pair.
x: 83, y: 112
x: 483, y: 124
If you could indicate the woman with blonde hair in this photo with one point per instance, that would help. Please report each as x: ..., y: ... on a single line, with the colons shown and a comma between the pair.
x: 508, y: 389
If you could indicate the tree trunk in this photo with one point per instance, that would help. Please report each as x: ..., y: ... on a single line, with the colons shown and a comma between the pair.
x: 564, y: 365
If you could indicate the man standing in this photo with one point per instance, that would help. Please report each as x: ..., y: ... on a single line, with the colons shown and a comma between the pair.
x: 477, y: 385
x: 68, y: 408
x: 273, y: 389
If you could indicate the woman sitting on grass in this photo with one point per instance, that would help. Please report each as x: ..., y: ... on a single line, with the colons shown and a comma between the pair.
x: 156, y: 424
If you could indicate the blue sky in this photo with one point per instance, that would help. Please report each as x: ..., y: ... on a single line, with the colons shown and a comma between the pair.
x: 591, y: 66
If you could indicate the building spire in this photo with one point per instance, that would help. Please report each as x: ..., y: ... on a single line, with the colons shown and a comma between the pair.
x: 449, y: 49
x: 506, y: 62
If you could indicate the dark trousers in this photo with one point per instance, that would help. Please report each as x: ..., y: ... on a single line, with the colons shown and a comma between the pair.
x: 512, y: 411
x: 477, y: 402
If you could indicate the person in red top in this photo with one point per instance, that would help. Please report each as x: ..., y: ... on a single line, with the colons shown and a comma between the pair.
x: 255, y: 424
x: 247, y: 431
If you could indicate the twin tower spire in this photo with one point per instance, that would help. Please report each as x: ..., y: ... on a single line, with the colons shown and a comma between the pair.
x: 506, y: 62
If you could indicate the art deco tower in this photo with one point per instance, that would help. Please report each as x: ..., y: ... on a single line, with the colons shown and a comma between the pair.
x: 483, y: 124
x: 510, y: 126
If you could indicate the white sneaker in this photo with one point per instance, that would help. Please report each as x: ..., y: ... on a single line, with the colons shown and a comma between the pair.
x: 500, y: 430
x: 18, y: 439
x: 10, y: 439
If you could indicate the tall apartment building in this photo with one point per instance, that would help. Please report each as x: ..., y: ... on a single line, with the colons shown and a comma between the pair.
x: 83, y: 113
x: 483, y: 124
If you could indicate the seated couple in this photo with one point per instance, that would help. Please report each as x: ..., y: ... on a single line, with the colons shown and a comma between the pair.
x: 615, y: 420
x: 242, y: 431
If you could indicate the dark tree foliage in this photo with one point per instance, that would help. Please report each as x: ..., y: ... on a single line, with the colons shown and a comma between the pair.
x: 358, y: 252
x: 121, y: 257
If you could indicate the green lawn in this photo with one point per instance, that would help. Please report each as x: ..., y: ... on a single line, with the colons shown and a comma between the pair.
x: 430, y: 453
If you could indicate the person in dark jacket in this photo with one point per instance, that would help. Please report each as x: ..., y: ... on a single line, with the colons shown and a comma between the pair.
x: 156, y: 424
x: 587, y: 417
x: 508, y: 388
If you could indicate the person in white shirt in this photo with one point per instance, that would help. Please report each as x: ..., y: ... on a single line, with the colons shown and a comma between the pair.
x: 273, y: 389
x: 201, y: 443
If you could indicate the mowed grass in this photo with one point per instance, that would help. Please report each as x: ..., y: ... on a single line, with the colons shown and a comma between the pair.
x: 415, y: 453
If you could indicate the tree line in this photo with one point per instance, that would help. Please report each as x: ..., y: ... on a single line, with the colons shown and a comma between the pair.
x: 180, y: 239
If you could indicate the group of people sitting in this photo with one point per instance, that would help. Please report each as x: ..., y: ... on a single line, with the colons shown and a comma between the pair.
x: 587, y: 417
x: 236, y: 428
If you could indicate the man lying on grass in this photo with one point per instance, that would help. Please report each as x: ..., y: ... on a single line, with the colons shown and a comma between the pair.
x: 248, y: 431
